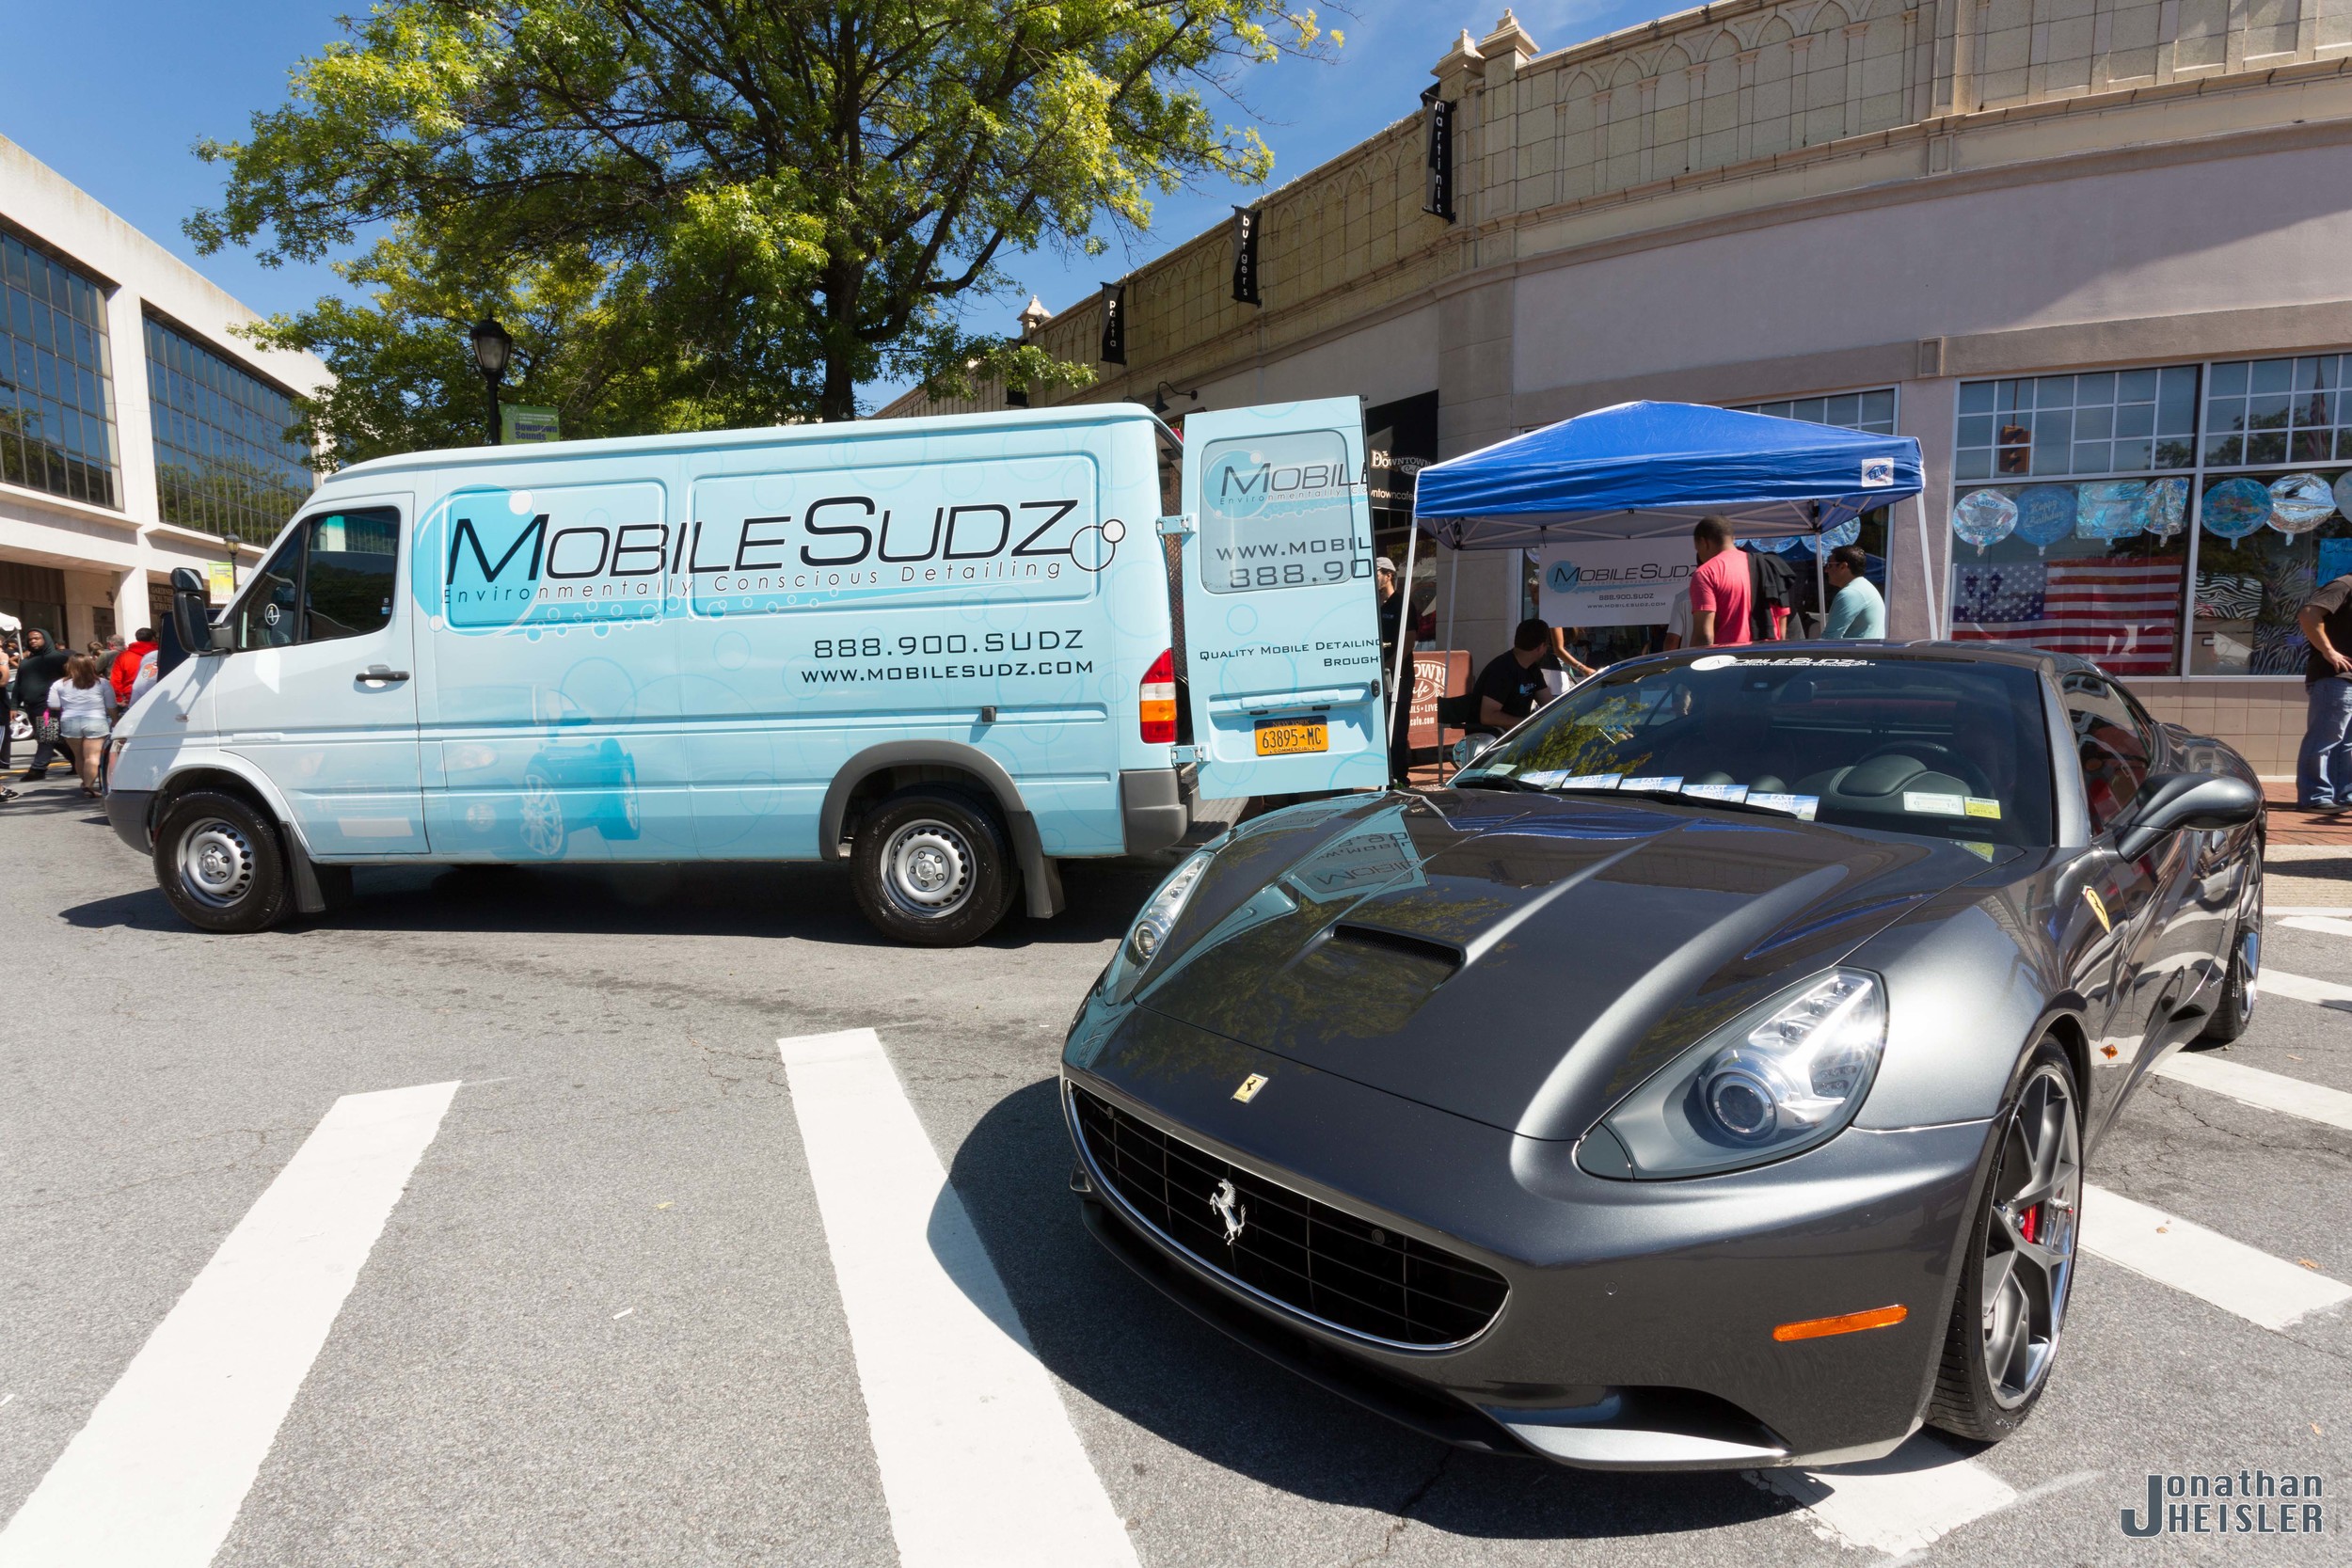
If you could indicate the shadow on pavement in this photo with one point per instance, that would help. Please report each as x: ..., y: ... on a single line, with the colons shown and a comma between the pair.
x: 810, y: 902
x: 1119, y: 1341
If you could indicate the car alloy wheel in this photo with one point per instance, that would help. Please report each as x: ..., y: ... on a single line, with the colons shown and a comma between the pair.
x: 215, y: 862
x: 2036, y: 1199
x: 926, y: 869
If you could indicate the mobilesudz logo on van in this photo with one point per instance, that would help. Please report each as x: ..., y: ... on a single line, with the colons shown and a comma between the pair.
x: 600, y: 553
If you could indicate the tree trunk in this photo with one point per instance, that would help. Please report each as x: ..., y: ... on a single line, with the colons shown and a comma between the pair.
x: 839, y: 399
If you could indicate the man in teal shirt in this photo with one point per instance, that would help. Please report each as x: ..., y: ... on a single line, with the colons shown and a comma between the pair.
x: 1855, y: 610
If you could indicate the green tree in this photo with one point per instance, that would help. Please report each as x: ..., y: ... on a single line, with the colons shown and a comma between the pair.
x: 704, y: 212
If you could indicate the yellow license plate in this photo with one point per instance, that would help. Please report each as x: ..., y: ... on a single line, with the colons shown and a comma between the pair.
x: 1282, y: 737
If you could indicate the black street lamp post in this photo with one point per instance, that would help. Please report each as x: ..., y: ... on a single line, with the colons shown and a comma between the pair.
x: 492, y: 347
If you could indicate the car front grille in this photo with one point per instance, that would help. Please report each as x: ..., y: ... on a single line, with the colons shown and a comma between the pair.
x: 1328, y: 1264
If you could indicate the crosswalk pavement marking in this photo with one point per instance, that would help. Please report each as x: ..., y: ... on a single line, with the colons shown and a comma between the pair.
x: 2325, y: 925
x: 2270, y: 1091
x: 980, y: 1465
x: 2300, y: 987
x: 1904, y: 1502
x: 156, y: 1475
x: 2205, y: 1263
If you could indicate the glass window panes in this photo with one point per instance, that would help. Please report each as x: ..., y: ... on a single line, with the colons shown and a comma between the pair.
x: 224, y: 462
x: 355, y: 557
x: 57, y: 379
x: 2250, y: 588
x: 2260, y: 411
x: 1872, y: 412
x: 2103, y: 422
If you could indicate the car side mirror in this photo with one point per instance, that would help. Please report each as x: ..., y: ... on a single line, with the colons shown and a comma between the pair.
x: 191, y: 610
x: 2171, y: 801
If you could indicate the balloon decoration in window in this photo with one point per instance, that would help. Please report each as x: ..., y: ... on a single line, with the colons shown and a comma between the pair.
x: 2235, y: 508
x: 1984, y: 517
x: 2301, y: 503
x: 2109, y: 508
x: 2163, y: 506
x: 2046, y: 514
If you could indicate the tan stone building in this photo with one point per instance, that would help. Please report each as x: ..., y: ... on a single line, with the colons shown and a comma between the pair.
x: 2095, y: 254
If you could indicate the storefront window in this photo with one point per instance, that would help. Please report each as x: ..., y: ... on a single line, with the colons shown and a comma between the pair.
x: 2105, y: 423
x: 2253, y: 575
x: 56, y: 378
x: 2096, y: 569
x: 2277, y: 411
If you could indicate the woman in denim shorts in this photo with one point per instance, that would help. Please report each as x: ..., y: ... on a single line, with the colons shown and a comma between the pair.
x: 85, y: 707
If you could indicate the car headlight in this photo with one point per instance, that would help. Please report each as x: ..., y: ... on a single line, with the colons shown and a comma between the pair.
x: 1147, y: 936
x: 1782, y: 1077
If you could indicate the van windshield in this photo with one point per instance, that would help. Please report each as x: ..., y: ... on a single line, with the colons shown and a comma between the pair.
x: 1932, y: 746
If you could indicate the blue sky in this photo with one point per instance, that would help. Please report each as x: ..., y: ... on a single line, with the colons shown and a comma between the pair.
x: 114, y: 96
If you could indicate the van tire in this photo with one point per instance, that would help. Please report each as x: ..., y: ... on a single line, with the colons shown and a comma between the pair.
x: 220, y: 862
x: 932, y: 867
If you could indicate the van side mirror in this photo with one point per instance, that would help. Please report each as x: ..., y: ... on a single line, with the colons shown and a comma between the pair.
x: 2171, y: 801
x: 191, y: 610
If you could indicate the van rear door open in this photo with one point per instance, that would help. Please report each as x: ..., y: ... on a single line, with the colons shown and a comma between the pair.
x: 1282, y: 625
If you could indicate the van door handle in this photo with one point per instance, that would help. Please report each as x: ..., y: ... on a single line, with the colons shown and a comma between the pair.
x: 381, y: 673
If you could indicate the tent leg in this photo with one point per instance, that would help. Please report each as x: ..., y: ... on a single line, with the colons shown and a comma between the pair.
x: 1927, y: 567
x: 1452, y: 582
x: 1820, y: 580
x: 1405, y: 629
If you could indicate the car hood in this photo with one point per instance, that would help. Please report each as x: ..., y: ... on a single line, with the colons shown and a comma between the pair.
x: 1522, y: 959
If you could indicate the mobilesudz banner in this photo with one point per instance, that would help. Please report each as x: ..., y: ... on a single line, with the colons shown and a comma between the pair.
x: 1437, y: 160
x: 1246, y: 255
x: 1114, y: 325
x: 1615, y: 582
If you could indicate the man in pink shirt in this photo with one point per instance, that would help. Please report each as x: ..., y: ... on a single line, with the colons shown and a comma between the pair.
x: 1719, y: 589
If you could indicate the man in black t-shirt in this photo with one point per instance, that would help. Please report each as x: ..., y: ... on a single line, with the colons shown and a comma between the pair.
x: 1512, y: 684
x: 2322, y: 769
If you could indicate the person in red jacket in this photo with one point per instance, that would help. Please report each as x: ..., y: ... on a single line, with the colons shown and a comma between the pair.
x: 125, y: 669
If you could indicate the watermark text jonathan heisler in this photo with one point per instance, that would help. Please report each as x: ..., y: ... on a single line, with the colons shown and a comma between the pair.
x: 2246, y: 1502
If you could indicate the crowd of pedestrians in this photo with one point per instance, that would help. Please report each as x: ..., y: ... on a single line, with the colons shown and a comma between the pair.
x: 69, y: 701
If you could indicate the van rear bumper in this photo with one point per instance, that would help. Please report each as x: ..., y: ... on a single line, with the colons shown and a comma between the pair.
x: 1152, y: 809
x: 126, y: 812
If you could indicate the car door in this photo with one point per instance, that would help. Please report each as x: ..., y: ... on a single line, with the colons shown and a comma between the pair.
x: 1282, y: 625
x: 2132, y: 898
x: 316, y: 691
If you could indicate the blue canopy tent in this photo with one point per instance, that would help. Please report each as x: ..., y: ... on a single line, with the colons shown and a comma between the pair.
x: 1649, y: 471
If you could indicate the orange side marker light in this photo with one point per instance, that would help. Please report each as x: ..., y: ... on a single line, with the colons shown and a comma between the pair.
x: 1820, y: 1328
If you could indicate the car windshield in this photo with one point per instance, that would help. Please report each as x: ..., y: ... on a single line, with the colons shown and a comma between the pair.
x: 1934, y: 747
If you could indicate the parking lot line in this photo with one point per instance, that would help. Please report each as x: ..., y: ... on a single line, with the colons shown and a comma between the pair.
x: 2300, y: 987
x: 2270, y: 1091
x: 156, y: 1475
x: 1905, y: 1502
x: 979, y: 1464
x: 2205, y: 1263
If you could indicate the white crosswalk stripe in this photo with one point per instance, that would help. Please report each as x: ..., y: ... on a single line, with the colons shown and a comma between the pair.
x: 2325, y: 925
x: 2301, y: 987
x: 980, y: 1465
x: 2204, y: 1263
x: 155, y: 1480
x: 2270, y: 1091
x: 1905, y: 1502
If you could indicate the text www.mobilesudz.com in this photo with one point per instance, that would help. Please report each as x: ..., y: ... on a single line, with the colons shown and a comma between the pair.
x: 948, y: 671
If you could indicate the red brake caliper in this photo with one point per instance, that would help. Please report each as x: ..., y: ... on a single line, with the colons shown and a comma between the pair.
x: 2029, y: 1223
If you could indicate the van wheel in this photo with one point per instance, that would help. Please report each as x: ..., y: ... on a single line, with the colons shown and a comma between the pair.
x: 220, y: 862
x: 932, y: 868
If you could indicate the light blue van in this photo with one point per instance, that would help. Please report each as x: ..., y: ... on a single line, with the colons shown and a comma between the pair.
x: 943, y: 650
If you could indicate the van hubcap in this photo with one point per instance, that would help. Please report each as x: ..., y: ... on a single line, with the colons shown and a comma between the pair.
x: 215, y: 862
x: 926, y: 869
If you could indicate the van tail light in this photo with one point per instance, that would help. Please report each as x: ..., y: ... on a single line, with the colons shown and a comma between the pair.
x: 1158, y: 707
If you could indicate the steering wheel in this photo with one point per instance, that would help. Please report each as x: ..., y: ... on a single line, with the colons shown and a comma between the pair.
x: 1944, y: 760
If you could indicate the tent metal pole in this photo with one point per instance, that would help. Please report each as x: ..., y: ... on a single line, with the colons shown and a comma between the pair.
x: 1821, y: 579
x: 1927, y: 569
x: 1452, y: 585
x: 1405, y: 629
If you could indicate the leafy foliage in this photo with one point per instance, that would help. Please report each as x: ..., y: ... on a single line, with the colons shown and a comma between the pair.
x: 694, y: 212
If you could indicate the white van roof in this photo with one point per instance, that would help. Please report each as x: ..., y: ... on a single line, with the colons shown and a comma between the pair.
x: 780, y: 435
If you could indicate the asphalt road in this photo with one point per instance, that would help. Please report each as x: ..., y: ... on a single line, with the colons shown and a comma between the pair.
x: 602, y: 1325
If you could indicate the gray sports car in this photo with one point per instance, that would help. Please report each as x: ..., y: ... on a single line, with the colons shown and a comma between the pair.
x: 1705, y: 1080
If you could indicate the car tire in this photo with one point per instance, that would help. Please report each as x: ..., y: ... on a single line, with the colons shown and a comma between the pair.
x: 932, y: 867
x: 2009, y: 1313
x: 2234, y: 1009
x: 221, y: 864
